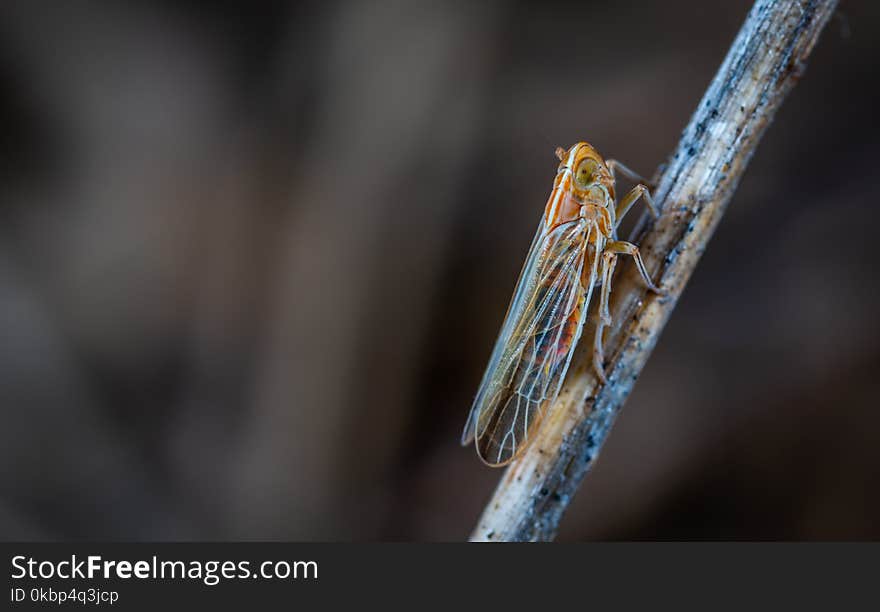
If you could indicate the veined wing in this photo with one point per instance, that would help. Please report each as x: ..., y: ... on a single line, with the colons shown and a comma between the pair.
x: 534, y: 349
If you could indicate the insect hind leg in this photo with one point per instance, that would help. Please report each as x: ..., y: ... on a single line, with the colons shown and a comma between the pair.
x: 609, y: 261
x: 622, y: 247
x: 612, y: 250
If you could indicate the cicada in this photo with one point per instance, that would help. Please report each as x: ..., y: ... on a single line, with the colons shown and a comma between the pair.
x: 574, y: 252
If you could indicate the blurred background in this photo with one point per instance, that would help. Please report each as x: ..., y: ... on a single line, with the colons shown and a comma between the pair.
x: 253, y: 259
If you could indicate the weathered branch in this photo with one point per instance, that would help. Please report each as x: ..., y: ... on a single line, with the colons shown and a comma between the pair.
x: 766, y: 59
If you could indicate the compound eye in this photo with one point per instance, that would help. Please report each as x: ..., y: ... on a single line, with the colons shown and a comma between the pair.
x: 586, y: 172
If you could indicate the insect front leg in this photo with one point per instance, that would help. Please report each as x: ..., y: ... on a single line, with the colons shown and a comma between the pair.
x: 627, y: 201
x: 615, y: 166
x: 609, y: 261
x: 628, y: 248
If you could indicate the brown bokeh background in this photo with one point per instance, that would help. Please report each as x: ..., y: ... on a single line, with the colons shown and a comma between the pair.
x: 253, y: 260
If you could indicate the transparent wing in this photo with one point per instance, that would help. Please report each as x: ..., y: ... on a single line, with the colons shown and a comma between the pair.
x: 534, y: 349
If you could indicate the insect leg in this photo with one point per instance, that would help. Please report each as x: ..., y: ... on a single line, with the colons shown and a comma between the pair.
x: 609, y: 260
x: 615, y: 166
x: 627, y: 201
x: 628, y: 248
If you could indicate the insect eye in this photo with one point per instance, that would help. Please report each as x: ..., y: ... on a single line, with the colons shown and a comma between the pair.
x: 586, y: 173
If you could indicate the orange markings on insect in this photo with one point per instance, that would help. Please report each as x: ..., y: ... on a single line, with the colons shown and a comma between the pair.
x: 574, y: 251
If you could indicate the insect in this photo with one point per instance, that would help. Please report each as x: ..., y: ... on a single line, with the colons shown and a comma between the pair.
x: 574, y: 252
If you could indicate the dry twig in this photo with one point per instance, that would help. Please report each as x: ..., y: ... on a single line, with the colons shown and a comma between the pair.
x: 766, y: 59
